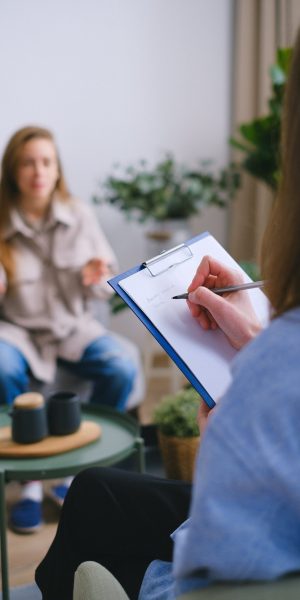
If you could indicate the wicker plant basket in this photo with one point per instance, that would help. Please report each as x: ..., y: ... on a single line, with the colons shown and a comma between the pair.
x: 178, y: 454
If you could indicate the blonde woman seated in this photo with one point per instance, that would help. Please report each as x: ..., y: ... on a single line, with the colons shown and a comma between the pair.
x: 53, y: 258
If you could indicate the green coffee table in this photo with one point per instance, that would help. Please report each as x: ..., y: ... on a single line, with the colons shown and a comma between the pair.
x: 120, y: 438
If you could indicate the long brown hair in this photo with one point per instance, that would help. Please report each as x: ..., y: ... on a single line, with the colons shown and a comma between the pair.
x: 281, y: 246
x: 8, y: 185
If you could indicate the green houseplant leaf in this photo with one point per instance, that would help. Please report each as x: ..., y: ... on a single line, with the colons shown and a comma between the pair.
x: 116, y: 304
x: 168, y: 190
x: 259, y: 140
x: 176, y: 415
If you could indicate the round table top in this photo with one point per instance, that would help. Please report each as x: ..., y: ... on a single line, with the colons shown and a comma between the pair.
x: 119, y: 434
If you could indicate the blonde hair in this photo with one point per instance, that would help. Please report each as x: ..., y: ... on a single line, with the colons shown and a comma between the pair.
x: 9, y: 190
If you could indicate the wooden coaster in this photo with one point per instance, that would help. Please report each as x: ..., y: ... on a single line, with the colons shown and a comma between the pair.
x: 29, y: 400
x: 54, y: 444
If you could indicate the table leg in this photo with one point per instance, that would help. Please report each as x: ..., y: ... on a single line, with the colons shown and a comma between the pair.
x: 4, y: 559
x: 139, y: 444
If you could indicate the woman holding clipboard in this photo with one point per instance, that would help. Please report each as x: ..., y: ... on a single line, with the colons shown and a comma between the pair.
x: 244, y: 516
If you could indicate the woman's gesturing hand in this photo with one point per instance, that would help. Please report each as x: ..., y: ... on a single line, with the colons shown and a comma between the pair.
x: 232, y: 312
x: 93, y: 271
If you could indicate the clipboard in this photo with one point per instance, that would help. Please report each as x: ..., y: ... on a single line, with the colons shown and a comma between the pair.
x: 164, y: 265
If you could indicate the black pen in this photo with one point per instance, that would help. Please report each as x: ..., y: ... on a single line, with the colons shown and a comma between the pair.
x: 229, y: 288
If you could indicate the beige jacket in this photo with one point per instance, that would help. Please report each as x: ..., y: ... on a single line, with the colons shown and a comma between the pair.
x: 45, y: 312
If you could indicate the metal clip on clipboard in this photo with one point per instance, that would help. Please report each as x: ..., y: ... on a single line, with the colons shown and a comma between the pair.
x: 168, y: 259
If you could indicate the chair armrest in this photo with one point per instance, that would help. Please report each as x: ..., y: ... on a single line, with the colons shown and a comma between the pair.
x: 287, y: 588
x: 93, y: 582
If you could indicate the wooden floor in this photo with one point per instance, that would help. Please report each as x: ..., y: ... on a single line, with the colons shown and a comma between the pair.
x: 26, y: 551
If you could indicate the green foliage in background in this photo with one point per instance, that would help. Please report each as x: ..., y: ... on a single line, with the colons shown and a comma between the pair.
x: 259, y: 139
x: 251, y: 269
x: 176, y: 415
x: 116, y: 304
x: 168, y: 190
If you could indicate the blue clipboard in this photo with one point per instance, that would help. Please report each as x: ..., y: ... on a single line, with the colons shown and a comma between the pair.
x: 152, y: 265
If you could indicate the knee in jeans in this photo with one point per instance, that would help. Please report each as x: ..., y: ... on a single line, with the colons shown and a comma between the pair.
x: 13, y: 373
x: 11, y: 359
x: 9, y: 370
x: 125, y: 371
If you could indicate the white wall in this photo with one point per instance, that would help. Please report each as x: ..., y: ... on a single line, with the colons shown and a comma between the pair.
x: 119, y: 80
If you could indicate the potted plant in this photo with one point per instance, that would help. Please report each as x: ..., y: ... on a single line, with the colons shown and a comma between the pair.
x: 178, y: 432
x: 166, y: 196
x: 167, y: 191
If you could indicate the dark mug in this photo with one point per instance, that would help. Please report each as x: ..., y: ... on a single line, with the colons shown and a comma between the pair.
x: 64, y: 413
x: 29, y: 418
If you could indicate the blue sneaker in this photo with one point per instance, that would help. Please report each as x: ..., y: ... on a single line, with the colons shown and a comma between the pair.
x: 26, y: 516
x: 58, y: 494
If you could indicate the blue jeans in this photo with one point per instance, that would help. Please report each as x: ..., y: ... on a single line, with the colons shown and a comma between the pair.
x: 103, y: 362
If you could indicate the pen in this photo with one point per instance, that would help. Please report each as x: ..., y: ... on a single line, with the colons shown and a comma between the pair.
x: 223, y: 290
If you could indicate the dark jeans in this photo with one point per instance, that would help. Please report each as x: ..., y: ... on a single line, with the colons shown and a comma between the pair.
x: 120, y: 519
x: 103, y: 362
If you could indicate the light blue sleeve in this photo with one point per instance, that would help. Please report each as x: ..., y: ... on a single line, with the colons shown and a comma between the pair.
x: 245, y: 513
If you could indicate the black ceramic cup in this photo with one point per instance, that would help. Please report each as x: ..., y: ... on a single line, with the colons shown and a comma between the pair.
x: 64, y: 413
x: 29, y: 419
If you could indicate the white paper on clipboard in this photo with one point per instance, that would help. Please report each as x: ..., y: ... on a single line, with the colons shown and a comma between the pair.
x: 208, y: 354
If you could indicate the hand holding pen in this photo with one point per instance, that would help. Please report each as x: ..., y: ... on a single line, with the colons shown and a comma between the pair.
x: 231, y: 312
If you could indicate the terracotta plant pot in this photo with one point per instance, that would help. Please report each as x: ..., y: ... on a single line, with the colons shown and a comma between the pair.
x: 178, y: 454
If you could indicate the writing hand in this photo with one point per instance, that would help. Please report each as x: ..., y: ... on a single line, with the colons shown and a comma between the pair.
x: 93, y: 271
x: 231, y: 312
